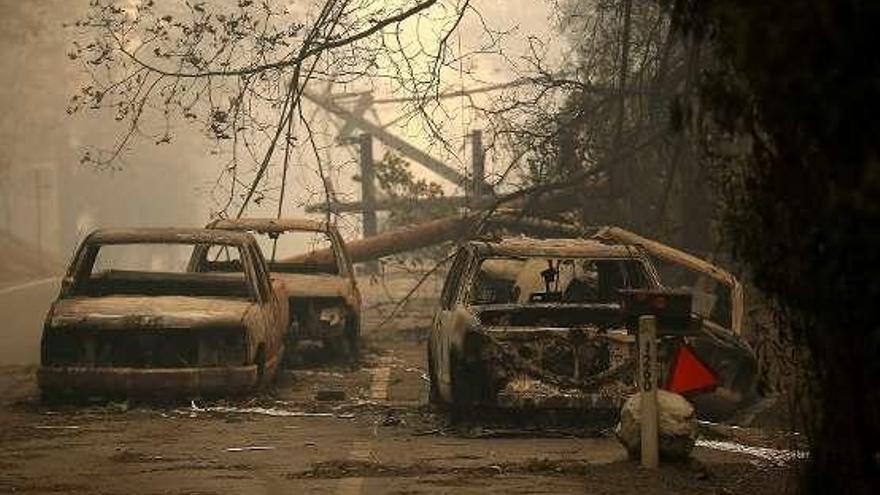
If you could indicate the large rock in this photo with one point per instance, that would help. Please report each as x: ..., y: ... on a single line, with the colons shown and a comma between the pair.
x: 678, y: 425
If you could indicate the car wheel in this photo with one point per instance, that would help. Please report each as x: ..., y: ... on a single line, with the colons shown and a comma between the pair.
x: 460, y: 410
x: 455, y: 382
x: 291, y: 344
x: 260, y: 361
x: 433, y: 388
x: 344, y: 347
x: 52, y: 397
x: 352, y: 339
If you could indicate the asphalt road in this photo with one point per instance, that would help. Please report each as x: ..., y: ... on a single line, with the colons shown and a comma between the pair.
x: 362, y: 428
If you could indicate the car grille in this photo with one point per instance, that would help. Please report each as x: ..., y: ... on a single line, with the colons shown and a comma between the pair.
x: 131, y: 349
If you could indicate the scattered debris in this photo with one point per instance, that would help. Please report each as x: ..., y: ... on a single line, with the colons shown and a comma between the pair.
x: 391, y: 419
x: 330, y: 395
x: 316, y: 373
x: 251, y: 448
x: 775, y: 457
x: 266, y: 411
x: 425, y: 433
x: 422, y: 374
x: 335, y: 469
x: 524, y: 432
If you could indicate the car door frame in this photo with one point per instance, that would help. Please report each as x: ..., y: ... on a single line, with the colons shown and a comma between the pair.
x: 345, y: 268
x: 442, y: 338
x: 272, y: 315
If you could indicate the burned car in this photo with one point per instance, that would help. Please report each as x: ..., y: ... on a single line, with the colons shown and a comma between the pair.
x: 309, y: 265
x: 137, y: 316
x: 541, y: 323
x: 535, y: 322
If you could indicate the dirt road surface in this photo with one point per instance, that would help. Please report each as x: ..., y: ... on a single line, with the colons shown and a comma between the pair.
x: 330, y: 429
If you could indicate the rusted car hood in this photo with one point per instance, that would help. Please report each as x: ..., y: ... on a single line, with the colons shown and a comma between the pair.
x: 120, y: 312
x: 309, y: 285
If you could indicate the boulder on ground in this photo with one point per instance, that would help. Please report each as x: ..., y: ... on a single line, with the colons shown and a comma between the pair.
x: 677, y: 425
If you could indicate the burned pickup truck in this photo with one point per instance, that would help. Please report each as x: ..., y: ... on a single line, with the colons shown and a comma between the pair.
x: 138, y: 316
x: 540, y: 323
x: 309, y: 266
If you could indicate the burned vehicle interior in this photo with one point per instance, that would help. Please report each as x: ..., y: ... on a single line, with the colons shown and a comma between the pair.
x: 553, y: 291
x: 153, y: 269
x: 286, y: 244
x: 224, y: 260
x: 563, y: 280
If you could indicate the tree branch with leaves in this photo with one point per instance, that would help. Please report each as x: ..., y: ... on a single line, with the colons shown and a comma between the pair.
x: 237, y: 72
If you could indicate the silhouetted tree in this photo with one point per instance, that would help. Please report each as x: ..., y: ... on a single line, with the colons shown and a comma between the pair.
x: 796, y: 101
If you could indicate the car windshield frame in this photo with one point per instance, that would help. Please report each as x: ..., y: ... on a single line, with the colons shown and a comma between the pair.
x: 79, y: 275
x: 470, y: 289
x: 284, y: 265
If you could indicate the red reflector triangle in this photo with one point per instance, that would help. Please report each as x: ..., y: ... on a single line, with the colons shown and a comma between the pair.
x: 689, y: 374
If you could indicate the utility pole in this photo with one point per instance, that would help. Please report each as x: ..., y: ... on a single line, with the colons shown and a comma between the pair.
x: 478, y: 166
x: 368, y: 192
x: 401, y: 145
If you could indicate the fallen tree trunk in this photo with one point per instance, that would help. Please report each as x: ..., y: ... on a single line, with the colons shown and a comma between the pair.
x: 520, y: 211
x: 396, y: 241
x: 388, y: 204
x: 433, y: 232
x: 688, y: 261
x: 554, y: 201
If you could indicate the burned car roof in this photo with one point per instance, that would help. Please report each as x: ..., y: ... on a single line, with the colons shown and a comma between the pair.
x: 527, y: 246
x: 270, y: 225
x: 166, y: 236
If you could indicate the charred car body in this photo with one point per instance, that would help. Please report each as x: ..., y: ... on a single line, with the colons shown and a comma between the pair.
x: 168, y: 327
x: 527, y: 322
x: 530, y: 323
x: 320, y: 287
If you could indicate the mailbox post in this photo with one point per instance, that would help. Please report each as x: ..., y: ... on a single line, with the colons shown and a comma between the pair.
x: 648, y: 390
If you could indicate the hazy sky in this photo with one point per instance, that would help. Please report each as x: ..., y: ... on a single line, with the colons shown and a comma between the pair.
x: 171, y: 184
